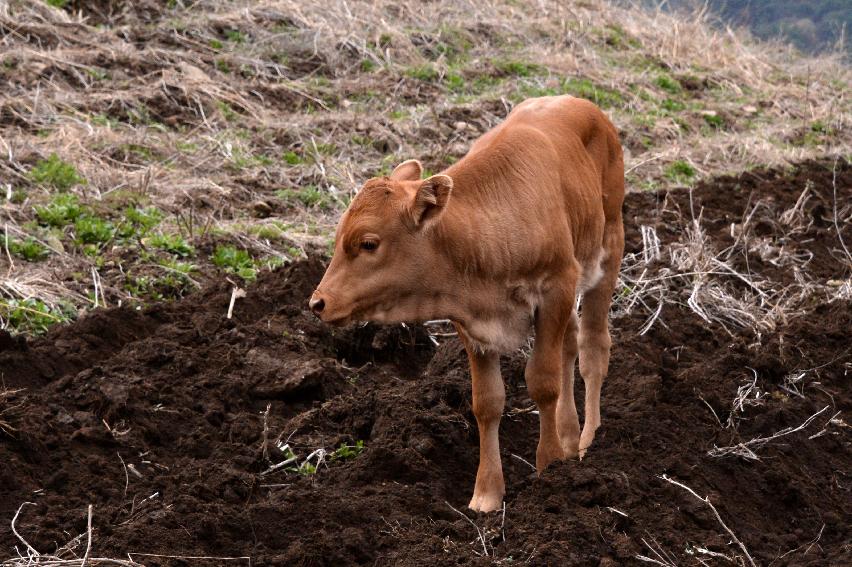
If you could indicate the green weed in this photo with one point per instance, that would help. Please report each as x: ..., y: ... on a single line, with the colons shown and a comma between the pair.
x: 714, y: 120
x: 235, y: 261
x: 310, y: 196
x: 62, y: 210
x: 29, y: 249
x: 668, y: 84
x: 517, y: 68
x: 93, y: 230
x: 292, y: 158
x: 139, y: 222
x: 56, y: 173
x: 672, y: 105
x: 425, y: 73
x: 347, y: 452
x: 32, y: 316
x: 172, y: 243
x: 680, y: 171
x: 235, y: 36
x: 229, y: 113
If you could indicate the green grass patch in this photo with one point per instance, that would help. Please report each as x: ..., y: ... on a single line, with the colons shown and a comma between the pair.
x: 602, y: 96
x: 668, y: 84
x: 426, y: 73
x: 714, y: 120
x: 227, y: 112
x: 56, y: 173
x: 292, y: 158
x: 309, y: 196
x: 268, y: 231
x: 615, y: 36
x: 672, y: 105
x: 680, y: 172
x: 517, y: 68
x: 235, y: 36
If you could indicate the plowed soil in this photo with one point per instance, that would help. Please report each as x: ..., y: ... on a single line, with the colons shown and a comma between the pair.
x: 156, y: 418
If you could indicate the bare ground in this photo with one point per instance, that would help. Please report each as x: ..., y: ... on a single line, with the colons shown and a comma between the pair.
x: 169, y: 420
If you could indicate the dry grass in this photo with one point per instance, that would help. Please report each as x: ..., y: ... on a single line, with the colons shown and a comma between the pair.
x: 700, y: 274
x: 251, y: 124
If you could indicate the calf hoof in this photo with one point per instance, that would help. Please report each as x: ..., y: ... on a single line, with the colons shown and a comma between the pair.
x: 586, y: 441
x: 546, y: 455
x: 571, y: 447
x: 486, y: 502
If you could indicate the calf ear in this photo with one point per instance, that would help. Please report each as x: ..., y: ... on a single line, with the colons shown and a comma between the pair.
x: 410, y: 170
x: 431, y: 199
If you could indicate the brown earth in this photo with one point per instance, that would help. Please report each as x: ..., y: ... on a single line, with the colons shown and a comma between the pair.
x: 178, y: 392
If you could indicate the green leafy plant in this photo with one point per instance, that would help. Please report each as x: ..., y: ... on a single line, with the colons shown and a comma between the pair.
x: 139, y: 222
x: 93, y: 230
x: 307, y: 469
x: 172, y: 243
x: 56, y: 173
x: 29, y: 249
x: 32, y: 315
x: 235, y: 261
x: 62, y: 210
x: 346, y: 452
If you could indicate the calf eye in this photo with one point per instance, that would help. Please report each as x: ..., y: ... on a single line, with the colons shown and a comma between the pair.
x: 369, y: 245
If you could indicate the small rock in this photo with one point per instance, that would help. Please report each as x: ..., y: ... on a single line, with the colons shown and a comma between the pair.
x: 750, y: 109
x: 460, y: 125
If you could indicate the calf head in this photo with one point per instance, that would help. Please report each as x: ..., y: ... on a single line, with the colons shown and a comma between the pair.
x: 385, y: 264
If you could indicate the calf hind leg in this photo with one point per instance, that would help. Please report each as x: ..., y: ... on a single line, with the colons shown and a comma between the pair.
x: 567, y: 422
x: 594, y: 339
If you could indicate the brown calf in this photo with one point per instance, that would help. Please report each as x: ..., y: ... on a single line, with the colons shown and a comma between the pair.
x: 500, y: 243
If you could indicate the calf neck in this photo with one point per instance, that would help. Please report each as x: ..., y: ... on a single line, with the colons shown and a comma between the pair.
x: 501, y: 243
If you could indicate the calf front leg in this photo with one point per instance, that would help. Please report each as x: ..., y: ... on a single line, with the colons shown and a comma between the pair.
x: 489, y: 398
x: 544, y: 371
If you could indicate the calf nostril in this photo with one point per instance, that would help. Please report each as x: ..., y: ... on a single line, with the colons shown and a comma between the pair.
x: 317, y: 305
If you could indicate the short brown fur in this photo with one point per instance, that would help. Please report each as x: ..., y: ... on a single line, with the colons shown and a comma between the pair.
x: 501, y: 242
